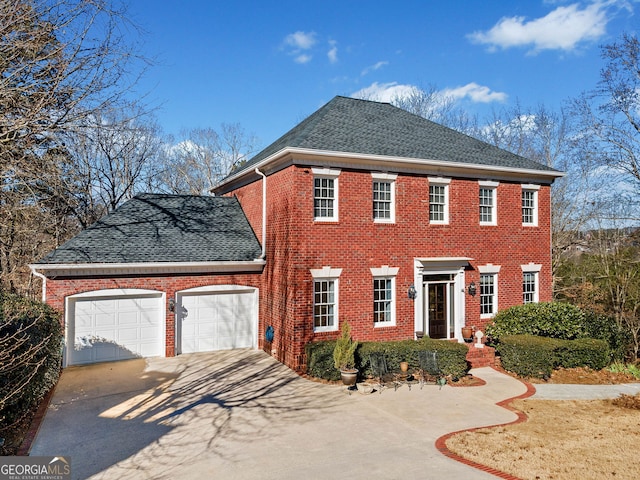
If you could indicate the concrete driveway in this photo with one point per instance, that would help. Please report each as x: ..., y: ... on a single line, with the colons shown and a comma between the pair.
x: 243, y: 415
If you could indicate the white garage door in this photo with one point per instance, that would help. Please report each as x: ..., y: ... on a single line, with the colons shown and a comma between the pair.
x: 217, y: 321
x: 104, y: 329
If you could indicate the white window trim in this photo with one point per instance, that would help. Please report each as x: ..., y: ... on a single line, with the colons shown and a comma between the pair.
x: 329, y: 274
x: 444, y: 182
x: 386, y: 272
x: 493, y: 186
x: 528, y: 187
x: 493, y: 272
x: 391, y: 178
x: 332, y: 173
x: 533, y: 268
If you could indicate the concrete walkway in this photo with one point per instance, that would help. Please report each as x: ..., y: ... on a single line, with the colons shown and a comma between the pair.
x: 243, y: 415
x: 583, y: 392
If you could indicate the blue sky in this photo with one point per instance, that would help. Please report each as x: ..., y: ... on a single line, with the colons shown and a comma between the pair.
x: 266, y: 65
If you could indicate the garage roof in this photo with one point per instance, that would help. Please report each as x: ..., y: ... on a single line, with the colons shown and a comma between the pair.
x: 158, y: 228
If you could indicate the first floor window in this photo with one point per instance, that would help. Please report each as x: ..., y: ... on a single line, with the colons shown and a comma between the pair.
x: 382, y: 301
x: 324, y: 305
x: 488, y: 300
x: 529, y: 291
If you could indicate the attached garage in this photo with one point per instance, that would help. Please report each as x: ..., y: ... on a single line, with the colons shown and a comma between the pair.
x: 106, y: 326
x: 219, y: 319
x: 160, y: 275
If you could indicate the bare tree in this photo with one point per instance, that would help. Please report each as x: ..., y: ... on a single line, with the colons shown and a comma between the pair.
x: 115, y: 153
x: 63, y: 63
x: 205, y: 156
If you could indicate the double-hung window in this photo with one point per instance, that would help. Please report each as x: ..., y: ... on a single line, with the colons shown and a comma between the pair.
x: 383, y: 197
x: 325, y: 298
x: 488, y: 203
x: 384, y: 303
x: 325, y: 194
x: 439, y: 200
x: 530, y: 205
x: 530, y: 283
x: 488, y: 290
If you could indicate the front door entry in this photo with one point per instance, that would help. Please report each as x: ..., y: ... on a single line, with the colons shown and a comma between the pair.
x: 439, y: 306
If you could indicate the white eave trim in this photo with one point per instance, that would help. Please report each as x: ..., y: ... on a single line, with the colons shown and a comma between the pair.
x: 102, y: 269
x: 300, y: 154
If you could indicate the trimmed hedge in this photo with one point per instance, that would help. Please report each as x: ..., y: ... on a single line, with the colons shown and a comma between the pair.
x: 452, y: 356
x: 533, y: 356
x: 558, y: 320
x: 30, y: 354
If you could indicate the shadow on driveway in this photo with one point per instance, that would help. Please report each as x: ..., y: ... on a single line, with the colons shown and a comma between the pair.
x: 163, y: 412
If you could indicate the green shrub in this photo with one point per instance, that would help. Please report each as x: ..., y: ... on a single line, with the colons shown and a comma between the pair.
x: 532, y: 356
x: 606, y: 328
x: 452, y: 356
x: 558, y: 320
x: 30, y: 353
x: 546, y: 319
x: 528, y: 355
x: 344, y: 350
x: 582, y: 352
x: 320, y: 362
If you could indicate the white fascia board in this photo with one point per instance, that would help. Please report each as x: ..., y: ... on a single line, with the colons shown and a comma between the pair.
x: 311, y: 157
x: 90, y: 269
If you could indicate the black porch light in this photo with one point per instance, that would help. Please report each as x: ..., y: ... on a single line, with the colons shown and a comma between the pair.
x: 411, y: 293
x: 472, y: 289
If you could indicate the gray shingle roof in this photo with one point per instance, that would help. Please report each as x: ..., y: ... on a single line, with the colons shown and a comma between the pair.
x: 164, y: 228
x: 362, y: 126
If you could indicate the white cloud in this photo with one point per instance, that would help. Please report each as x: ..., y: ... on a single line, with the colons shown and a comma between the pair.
x: 332, y: 54
x: 303, y: 58
x: 477, y: 93
x: 374, y: 67
x: 562, y: 29
x: 301, y: 40
x: 388, y: 92
x: 384, y: 92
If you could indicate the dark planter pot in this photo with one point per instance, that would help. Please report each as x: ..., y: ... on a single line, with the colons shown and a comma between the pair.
x: 349, y: 376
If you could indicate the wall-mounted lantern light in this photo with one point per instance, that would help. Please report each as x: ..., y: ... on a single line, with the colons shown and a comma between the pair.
x: 411, y: 293
x: 172, y: 305
x: 472, y: 289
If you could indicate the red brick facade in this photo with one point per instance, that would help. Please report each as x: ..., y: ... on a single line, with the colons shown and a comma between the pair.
x: 296, y: 243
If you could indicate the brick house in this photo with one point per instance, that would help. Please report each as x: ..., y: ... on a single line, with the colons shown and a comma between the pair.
x: 365, y: 213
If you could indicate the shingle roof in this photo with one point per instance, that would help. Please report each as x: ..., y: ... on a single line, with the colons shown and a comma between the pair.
x: 164, y: 228
x: 362, y: 126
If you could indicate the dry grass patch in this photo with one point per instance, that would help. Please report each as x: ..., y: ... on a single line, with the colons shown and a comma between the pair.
x: 562, y: 440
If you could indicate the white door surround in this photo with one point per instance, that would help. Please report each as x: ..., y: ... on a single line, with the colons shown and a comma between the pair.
x: 441, y: 280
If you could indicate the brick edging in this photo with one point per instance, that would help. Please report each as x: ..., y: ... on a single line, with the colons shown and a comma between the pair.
x: 441, y: 443
x: 34, y: 428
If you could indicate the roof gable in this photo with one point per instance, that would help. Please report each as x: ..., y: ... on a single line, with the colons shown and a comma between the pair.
x: 157, y: 228
x: 356, y: 126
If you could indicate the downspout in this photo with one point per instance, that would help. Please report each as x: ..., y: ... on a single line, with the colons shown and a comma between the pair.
x: 264, y: 215
x: 44, y: 282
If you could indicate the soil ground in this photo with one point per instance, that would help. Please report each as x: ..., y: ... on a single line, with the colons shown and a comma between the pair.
x: 563, y: 440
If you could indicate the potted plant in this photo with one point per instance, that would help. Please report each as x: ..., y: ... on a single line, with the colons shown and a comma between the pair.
x: 344, y: 356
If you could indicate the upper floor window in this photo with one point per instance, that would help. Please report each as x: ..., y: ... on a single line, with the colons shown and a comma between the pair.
x: 439, y: 200
x: 488, y: 203
x: 325, y: 194
x: 325, y: 298
x: 384, y: 308
x: 530, y: 205
x: 530, y: 283
x: 383, y: 197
